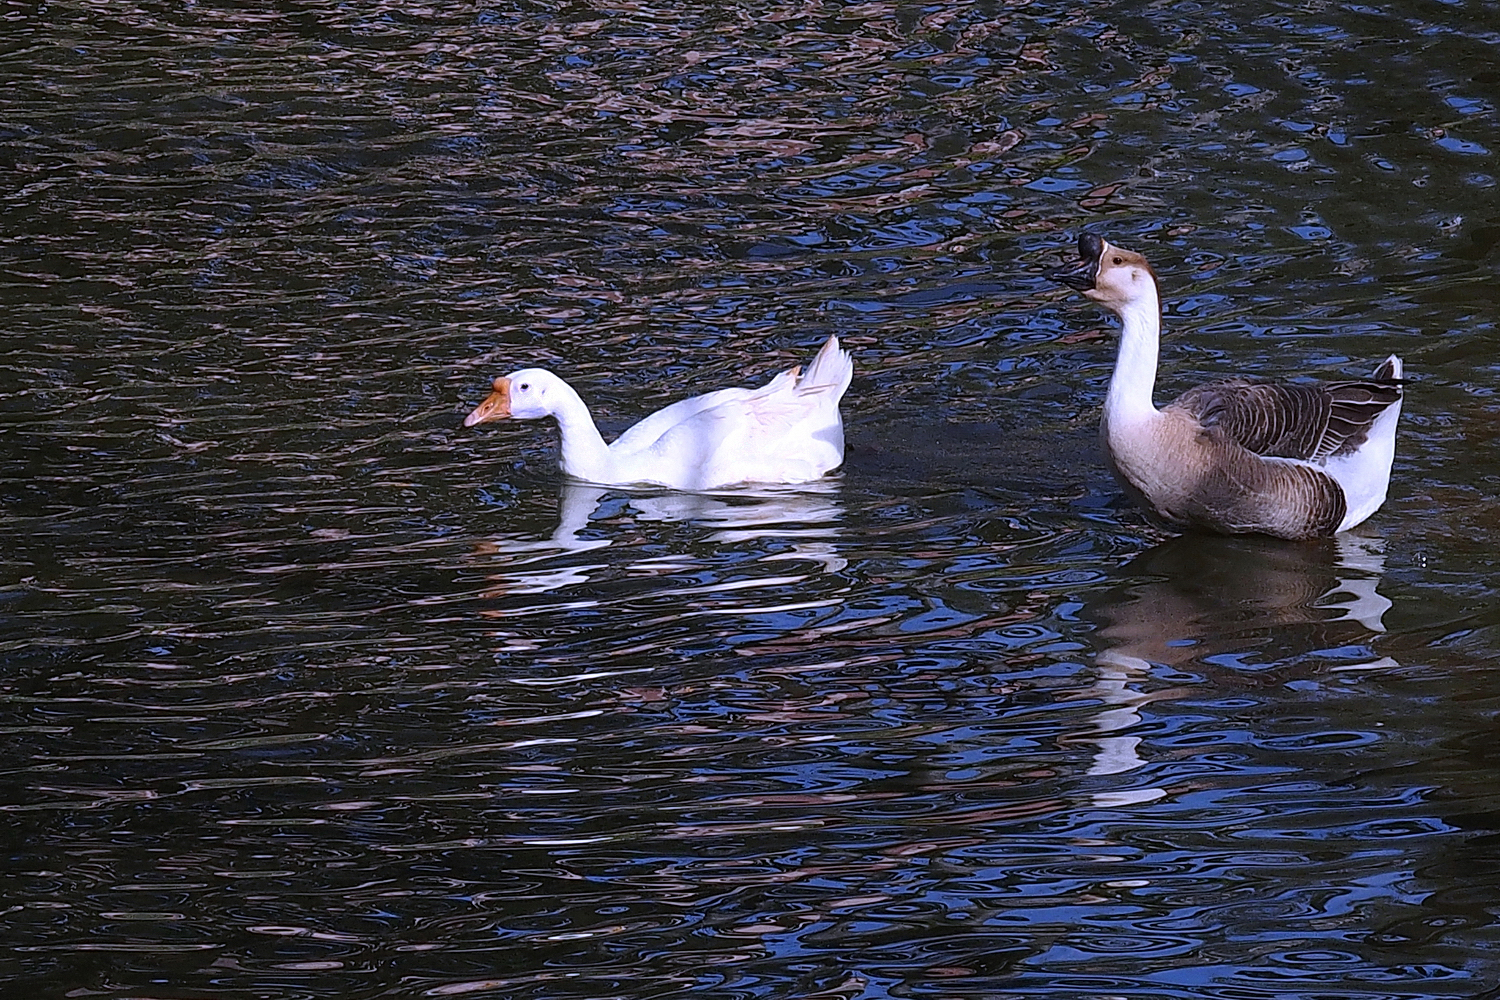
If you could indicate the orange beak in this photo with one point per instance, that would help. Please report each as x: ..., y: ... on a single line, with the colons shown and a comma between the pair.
x: 496, y: 405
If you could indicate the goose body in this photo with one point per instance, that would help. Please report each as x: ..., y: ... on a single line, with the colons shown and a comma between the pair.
x: 787, y: 431
x: 1235, y: 457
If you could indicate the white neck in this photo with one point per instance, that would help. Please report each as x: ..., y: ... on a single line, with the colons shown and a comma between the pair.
x: 1129, y: 397
x: 584, y: 453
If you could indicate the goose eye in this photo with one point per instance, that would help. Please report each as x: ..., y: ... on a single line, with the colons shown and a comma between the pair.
x: 525, y: 386
x: 1118, y: 261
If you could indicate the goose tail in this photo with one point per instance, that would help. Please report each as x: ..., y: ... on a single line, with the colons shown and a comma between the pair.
x: 833, y: 368
x: 1365, y: 474
x: 1390, y: 370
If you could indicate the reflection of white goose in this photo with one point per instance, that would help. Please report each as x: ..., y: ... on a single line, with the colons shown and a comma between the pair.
x: 746, y: 515
x: 575, y: 505
x: 807, y: 516
x: 1204, y: 596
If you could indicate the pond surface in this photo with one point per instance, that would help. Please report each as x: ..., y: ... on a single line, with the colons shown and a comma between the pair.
x: 310, y: 692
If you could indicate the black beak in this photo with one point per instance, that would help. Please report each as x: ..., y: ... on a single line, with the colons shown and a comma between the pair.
x: 1081, y: 275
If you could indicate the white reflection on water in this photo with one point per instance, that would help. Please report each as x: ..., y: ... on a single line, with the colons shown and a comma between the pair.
x: 1200, y: 597
x: 1363, y: 556
x: 807, y: 516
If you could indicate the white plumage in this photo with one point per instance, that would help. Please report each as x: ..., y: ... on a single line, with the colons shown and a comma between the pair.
x: 787, y: 431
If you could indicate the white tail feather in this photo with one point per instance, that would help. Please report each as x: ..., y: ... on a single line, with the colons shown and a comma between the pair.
x: 832, y: 367
x: 1365, y: 475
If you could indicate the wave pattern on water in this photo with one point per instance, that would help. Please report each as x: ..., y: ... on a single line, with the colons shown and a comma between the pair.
x: 307, y: 690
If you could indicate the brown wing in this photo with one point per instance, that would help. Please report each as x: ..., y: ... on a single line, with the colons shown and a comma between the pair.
x: 1285, y: 499
x: 1354, y: 407
x: 1308, y: 422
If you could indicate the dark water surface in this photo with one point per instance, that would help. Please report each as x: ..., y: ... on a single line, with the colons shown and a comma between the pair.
x: 309, y: 692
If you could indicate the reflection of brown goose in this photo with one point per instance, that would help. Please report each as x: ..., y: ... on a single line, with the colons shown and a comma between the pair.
x: 1204, y: 592
x: 1198, y: 597
x: 1295, y: 461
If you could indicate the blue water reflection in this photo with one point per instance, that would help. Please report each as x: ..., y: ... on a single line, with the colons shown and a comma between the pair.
x: 307, y: 691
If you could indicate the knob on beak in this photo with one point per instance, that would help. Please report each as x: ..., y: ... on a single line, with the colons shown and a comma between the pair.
x: 496, y: 405
x: 1082, y: 275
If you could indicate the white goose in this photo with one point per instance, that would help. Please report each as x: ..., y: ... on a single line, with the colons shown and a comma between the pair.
x: 1290, y: 460
x: 787, y: 431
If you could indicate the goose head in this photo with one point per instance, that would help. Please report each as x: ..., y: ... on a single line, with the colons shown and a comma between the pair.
x: 522, y: 395
x: 1112, y: 276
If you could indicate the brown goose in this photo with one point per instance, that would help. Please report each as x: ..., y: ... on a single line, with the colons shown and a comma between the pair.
x: 1236, y: 457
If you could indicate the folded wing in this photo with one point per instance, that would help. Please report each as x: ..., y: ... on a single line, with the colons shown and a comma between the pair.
x: 1308, y: 422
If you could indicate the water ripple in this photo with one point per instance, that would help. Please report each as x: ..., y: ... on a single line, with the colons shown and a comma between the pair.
x: 308, y: 690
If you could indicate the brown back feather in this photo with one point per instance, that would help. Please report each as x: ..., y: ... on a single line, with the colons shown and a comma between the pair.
x: 1353, y: 410
x: 1280, y: 420
x: 1244, y: 493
